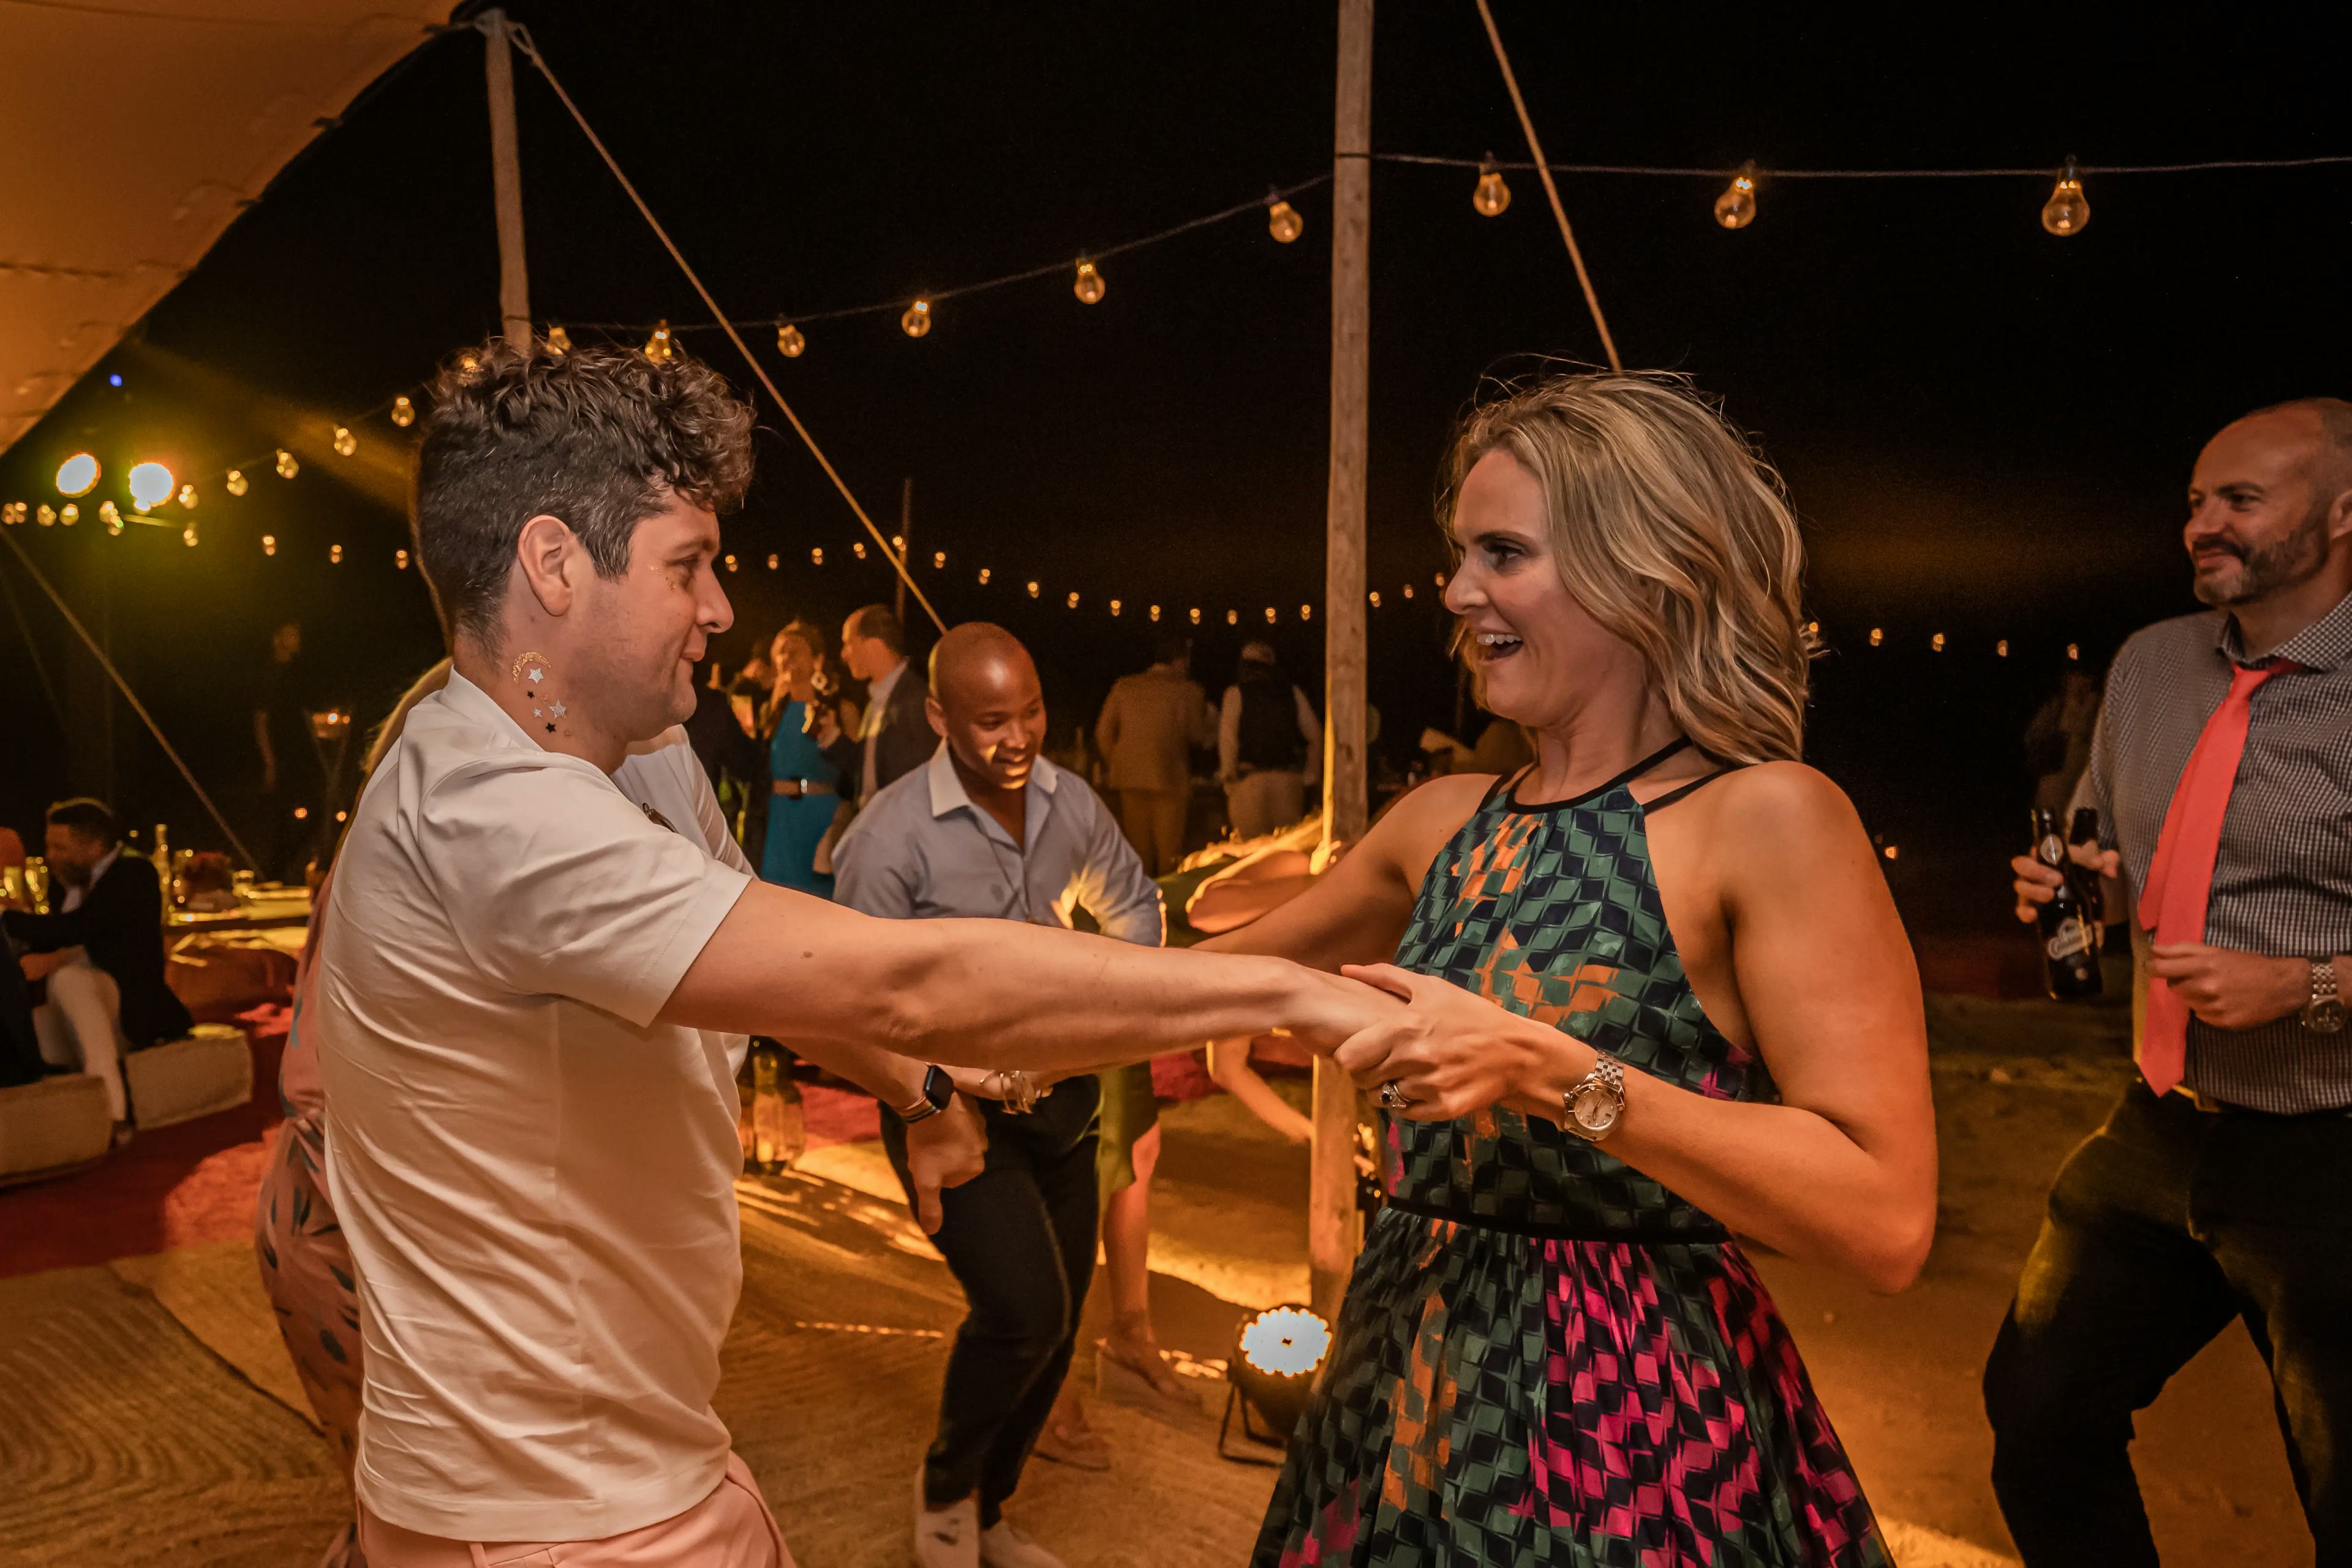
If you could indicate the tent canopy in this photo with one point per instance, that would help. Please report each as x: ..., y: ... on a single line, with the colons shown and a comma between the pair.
x: 138, y: 130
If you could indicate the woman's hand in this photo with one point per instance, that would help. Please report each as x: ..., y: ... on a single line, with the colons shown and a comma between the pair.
x: 820, y: 725
x: 1450, y: 1053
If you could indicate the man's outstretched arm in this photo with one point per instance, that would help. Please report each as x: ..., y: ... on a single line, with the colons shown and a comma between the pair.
x: 984, y: 993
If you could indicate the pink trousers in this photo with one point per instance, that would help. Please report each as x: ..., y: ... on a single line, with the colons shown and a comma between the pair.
x: 731, y: 1528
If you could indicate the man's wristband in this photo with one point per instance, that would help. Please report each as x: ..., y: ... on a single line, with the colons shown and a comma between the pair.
x: 939, y: 1089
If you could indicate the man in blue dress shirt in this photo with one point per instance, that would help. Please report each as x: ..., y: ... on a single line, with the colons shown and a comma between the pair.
x: 991, y: 828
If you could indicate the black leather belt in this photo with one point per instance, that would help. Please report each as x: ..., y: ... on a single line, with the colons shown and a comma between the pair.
x: 1704, y: 1233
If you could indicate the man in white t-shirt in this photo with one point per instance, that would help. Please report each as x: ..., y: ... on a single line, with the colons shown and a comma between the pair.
x: 527, y: 983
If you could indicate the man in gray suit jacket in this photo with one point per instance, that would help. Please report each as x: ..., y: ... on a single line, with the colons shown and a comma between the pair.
x: 896, y: 736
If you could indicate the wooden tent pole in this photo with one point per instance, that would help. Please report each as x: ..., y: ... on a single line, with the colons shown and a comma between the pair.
x: 1331, y: 1224
x: 505, y: 178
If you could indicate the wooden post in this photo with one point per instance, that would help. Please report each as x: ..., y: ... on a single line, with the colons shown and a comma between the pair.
x: 1331, y: 1226
x: 505, y: 178
x: 907, y: 536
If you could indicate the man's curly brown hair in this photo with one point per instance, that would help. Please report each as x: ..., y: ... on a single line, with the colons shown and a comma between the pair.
x: 599, y: 437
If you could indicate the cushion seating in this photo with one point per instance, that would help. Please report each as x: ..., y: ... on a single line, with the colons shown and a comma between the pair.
x: 210, y: 1069
x: 52, y: 1124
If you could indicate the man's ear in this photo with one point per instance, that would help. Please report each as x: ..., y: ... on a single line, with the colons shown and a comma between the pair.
x: 938, y: 717
x: 551, y: 559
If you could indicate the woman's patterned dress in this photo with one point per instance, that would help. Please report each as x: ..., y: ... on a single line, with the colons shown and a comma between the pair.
x: 1546, y: 1357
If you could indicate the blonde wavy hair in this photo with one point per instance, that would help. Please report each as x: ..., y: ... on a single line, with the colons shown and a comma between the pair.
x: 1672, y: 532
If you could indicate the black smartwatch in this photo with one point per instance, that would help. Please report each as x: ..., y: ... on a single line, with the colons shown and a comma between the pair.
x: 937, y: 1090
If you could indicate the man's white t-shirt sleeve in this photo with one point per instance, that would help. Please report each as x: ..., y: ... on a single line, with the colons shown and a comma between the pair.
x: 557, y: 884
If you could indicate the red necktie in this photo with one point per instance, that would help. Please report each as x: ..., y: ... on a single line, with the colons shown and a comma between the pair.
x: 2181, y: 876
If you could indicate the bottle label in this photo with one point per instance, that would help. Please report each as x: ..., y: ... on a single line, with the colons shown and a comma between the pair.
x: 2051, y: 851
x: 2071, y: 937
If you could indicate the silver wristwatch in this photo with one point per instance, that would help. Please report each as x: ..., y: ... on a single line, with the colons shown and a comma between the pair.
x: 2324, y: 1014
x: 1596, y: 1102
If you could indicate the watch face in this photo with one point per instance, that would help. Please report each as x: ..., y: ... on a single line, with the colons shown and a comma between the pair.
x: 1594, y: 1109
x: 2326, y: 1017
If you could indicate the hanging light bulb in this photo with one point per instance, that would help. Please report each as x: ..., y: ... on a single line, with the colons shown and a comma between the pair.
x: 400, y: 557
x: 730, y: 564
x: 559, y: 341
x: 857, y: 547
x: 345, y: 442
x: 237, y: 483
x: 1283, y: 222
x: 1089, y: 286
x: 983, y: 576
x: 1877, y: 636
x: 1936, y: 642
x: 403, y: 412
x: 1408, y: 590
x: 1155, y: 612
x: 1441, y: 579
x: 2000, y: 648
x: 1074, y: 601
x: 1305, y: 612
x: 939, y: 560
x: 1270, y: 615
x: 1375, y: 597
x: 2073, y: 650
x: 151, y: 485
x: 187, y: 498
x: 775, y: 562
x: 899, y: 543
x: 1114, y: 606
x: 286, y: 467
x: 1233, y: 617
x: 1736, y: 209
x: 658, y: 347
x: 13, y: 513
x: 918, y: 319
x: 816, y: 556
x: 1033, y: 587
x: 789, y: 342
x: 188, y: 536
x: 1196, y: 615
x: 2067, y: 211
x: 334, y: 555
x: 270, y: 544
x: 111, y: 515
x: 69, y: 514
x: 48, y: 515
x: 1492, y: 195
x: 78, y: 475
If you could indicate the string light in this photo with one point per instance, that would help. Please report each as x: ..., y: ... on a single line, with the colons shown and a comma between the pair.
x: 1074, y: 601
x: 816, y: 556
x: 78, y: 475
x: 1305, y: 612
x: 13, y: 513
x: 403, y: 412
x: 1736, y: 209
x: 791, y: 341
x: 270, y: 544
x: 857, y: 547
x: 151, y: 485
x: 2068, y: 211
x: 1877, y: 636
x: 1375, y: 597
x: 1441, y: 579
x: 1283, y: 222
x: 730, y: 564
x: 48, y: 515
x: 1155, y: 612
x: 939, y: 560
x: 1492, y: 195
x: 188, y: 497
x: 1408, y: 590
x: 467, y: 363
x: 559, y: 341
x: 334, y: 554
x: 345, y: 442
x: 983, y: 576
x: 69, y: 514
x: 286, y: 467
x: 1270, y: 616
x: 658, y: 347
x: 899, y: 543
x: 775, y: 562
x: 1233, y: 617
x: 2000, y: 648
x: 2073, y: 651
x: 237, y: 483
x: 918, y: 319
x: 110, y: 515
x: 1032, y: 589
x: 188, y: 536
x: 1196, y: 610
x: 1936, y: 642
x: 1114, y: 608
x: 400, y: 560
x: 1089, y: 285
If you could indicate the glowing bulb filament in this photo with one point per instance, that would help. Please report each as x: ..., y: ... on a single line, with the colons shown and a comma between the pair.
x: 2068, y: 211
x: 1283, y: 222
x: 918, y: 319
x: 791, y: 341
x: 1736, y: 209
x: 1492, y: 195
x: 1089, y: 286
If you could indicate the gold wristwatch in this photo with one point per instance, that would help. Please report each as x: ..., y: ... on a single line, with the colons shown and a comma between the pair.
x: 2324, y: 1014
x: 1597, y: 1101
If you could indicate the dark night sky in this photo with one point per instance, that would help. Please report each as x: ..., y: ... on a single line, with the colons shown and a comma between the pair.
x: 1985, y: 428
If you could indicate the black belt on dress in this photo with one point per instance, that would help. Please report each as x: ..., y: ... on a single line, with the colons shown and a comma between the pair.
x: 796, y: 789
x: 1706, y: 1233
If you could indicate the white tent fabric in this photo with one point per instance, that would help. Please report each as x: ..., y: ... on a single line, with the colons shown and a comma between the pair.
x: 136, y: 132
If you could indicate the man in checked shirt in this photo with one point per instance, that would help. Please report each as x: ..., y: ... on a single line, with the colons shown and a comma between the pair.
x: 2221, y: 1187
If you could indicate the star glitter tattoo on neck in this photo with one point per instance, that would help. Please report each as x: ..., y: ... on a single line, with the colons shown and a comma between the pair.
x: 531, y: 668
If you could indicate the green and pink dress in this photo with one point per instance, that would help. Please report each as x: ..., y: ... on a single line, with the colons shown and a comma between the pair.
x: 1546, y: 1357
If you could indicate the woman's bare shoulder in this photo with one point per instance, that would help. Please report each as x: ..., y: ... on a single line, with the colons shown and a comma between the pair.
x: 1412, y: 829
x: 1782, y: 815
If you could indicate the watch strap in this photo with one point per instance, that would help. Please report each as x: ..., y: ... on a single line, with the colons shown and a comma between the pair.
x: 939, y: 1089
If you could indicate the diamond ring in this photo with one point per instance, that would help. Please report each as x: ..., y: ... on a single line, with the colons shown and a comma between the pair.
x: 1393, y: 1095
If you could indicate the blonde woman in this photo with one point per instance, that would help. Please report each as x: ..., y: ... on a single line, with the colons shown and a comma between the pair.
x: 1660, y: 1000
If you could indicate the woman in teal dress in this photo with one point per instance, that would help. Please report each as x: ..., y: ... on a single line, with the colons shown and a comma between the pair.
x: 807, y: 746
x: 1660, y: 1001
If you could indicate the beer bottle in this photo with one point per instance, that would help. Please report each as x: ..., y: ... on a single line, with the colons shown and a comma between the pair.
x: 2070, y: 958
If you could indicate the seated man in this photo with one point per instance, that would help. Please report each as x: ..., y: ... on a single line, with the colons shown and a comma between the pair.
x: 107, y: 994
